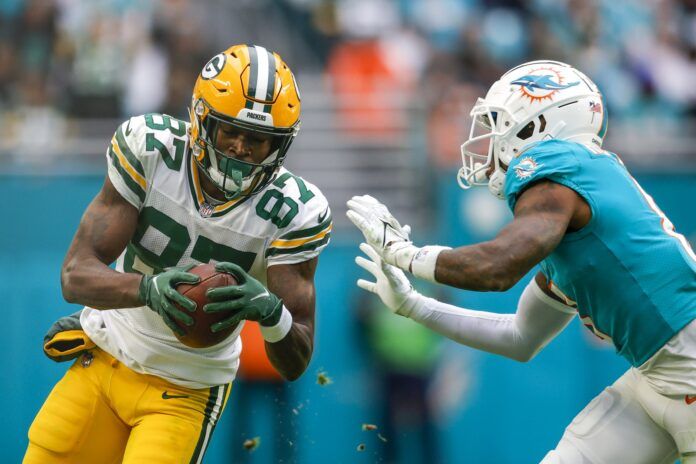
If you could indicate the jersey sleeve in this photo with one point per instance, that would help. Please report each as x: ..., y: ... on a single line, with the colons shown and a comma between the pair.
x: 553, y: 160
x: 307, y: 234
x: 129, y: 167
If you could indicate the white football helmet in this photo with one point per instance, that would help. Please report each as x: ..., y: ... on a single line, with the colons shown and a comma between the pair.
x: 534, y: 101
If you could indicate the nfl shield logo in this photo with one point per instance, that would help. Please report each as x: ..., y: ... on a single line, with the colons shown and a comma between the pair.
x: 206, y: 210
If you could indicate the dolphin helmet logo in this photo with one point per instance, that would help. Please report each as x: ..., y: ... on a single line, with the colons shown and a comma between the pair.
x: 545, y: 82
x: 542, y: 83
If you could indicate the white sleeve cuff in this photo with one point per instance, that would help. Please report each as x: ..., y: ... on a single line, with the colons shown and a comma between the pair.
x: 276, y: 333
x: 425, y: 260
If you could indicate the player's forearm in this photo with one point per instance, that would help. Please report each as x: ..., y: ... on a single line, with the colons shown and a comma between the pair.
x: 291, y: 355
x: 482, y: 267
x: 517, y: 336
x: 290, y: 342
x: 490, y: 332
x: 500, y: 263
x: 92, y: 283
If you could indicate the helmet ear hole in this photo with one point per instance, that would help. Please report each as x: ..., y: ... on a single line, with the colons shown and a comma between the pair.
x: 527, y: 131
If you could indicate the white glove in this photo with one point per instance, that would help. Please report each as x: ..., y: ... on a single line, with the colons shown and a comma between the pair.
x: 381, y: 230
x: 391, y: 285
x: 389, y: 239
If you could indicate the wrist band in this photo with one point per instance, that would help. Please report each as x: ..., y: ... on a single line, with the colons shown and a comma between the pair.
x: 423, y: 263
x: 277, y: 332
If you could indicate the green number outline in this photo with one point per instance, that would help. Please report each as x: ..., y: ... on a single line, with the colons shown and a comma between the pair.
x: 153, y: 143
x: 173, y: 163
x: 274, y: 214
x: 179, y: 130
x: 305, y: 193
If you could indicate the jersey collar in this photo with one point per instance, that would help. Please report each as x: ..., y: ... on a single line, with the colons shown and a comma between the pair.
x: 203, y: 207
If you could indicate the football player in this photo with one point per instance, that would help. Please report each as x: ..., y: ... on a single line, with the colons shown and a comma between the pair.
x: 177, y: 194
x: 605, y: 251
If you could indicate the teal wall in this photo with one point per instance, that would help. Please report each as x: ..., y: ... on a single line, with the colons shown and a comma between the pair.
x: 491, y: 410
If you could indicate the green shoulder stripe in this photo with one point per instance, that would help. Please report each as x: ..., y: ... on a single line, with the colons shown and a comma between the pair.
x: 306, y: 247
x: 130, y: 156
x: 132, y: 184
x: 307, y: 232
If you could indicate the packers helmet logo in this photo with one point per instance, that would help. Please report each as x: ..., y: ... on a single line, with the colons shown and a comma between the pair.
x: 214, y: 66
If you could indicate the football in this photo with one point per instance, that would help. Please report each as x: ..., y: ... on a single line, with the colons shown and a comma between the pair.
x: 199, y: 334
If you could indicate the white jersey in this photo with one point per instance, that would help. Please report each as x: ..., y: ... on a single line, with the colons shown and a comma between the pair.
x: 287, y: 222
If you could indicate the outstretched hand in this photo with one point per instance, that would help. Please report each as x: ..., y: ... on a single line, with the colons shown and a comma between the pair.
x: 391, y: 284
x: 381, y: 230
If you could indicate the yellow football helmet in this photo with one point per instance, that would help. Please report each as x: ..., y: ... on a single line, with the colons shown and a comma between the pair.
x: 251, y: 89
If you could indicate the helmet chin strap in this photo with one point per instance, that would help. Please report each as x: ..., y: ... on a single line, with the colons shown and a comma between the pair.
x: 480, y: 173
x: 496, y: 184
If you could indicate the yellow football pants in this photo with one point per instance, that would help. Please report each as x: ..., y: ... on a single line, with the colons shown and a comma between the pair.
x: 102, y: 412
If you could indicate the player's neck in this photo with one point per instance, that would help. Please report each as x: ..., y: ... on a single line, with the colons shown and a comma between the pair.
x: 209, y: 188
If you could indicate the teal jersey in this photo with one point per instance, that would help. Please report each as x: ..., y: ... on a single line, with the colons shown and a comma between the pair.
x: 631, y: 277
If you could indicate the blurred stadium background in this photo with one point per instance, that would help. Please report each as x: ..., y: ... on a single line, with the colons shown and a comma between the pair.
x: 386, y: 88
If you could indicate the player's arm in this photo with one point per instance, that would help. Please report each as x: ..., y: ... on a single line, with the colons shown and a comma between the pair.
x: 104, y: 231
x: 539, y: 318
x: 543, y: 214
x: 294, y: 284
x: 106, y: 227
x: 284, y: 310
x: 519, y: 336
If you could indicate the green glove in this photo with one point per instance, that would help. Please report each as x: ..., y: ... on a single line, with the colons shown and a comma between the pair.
x: 65, y: 339
x: 159, y: 294
x: 248, y: 300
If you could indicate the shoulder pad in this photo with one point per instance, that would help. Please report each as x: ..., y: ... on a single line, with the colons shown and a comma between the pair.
x: 554, y: 159
x: 309, y: 230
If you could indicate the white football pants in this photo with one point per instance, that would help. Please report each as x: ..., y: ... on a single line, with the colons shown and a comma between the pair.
x: 630, y: 423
